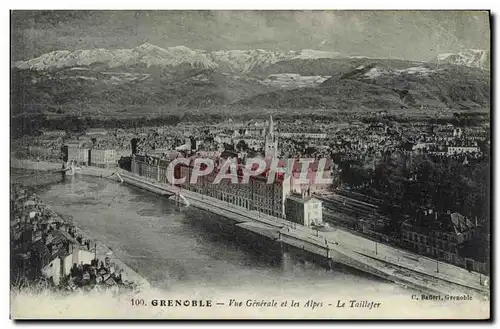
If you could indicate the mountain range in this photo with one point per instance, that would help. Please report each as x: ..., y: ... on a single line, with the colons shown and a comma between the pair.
x: 471, y: 57
x: 151, y: 79
x: 237, y: 61
x: 148, y: 55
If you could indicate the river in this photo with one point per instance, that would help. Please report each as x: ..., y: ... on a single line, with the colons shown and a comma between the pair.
x: 191, y: 249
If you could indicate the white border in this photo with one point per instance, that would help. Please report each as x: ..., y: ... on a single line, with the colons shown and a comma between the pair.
x: 190, y: 4
x: 256, y: 4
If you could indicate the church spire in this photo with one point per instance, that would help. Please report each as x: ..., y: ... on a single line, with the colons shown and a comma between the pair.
x: 271, y: 147
x: 271, y: 126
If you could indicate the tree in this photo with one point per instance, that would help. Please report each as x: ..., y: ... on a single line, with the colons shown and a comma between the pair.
x: 242, y: 145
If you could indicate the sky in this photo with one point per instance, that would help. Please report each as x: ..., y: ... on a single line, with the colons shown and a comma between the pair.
x: 412, y: 35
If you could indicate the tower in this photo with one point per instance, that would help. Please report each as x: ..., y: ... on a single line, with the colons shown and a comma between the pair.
x: 133, y: 145
x: 271, y: 148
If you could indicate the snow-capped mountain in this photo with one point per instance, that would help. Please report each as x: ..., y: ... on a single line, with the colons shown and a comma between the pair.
x: 244, y: 61
x: 471, y: 57
x: 375, y: 72
x: 316, y: 54
x: 295, y: 83
x: 236, y: 61
x: 146, y: 54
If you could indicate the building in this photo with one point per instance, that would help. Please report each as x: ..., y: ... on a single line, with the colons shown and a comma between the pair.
x: 53, y: 133
x: 255, y: 132
x: 423, y: 146
x: 256, y: 195
x: 62, y: 261
x: 271, y: 146
x: 304, y: 210
x: 43, y: 152
x: 315, y: 173
x: 457, y: 132
x: 103, y: 158
x: 438, y: 235
x: 303, y: 135
x: 148, y: 167
x: 77, y: 154
x: 252, y: 143
x: 122, y: 153
x: 454, y: 150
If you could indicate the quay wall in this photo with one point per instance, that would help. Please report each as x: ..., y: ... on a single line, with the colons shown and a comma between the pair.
x: 339, y: 246
x: 304, y: 238
x: 303, y: 244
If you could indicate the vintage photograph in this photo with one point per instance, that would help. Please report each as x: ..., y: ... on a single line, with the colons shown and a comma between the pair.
x: 258, y: 164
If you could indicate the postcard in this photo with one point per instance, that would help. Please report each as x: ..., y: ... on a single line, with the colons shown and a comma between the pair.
x: 250, y: 164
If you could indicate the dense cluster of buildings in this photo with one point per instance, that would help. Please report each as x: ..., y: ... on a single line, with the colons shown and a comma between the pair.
x: 360, y: 142
x: 45, y: 246
x: 257, y: 194
x: 90, y: 157
x: 354, y: 141
x: 441, y: 236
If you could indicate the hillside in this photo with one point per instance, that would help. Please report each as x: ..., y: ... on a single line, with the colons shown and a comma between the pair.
x: 331, y: 66
x: 149, y: 79
x: 95, y: 91
x: 344, y: 94
x: 381, y: 84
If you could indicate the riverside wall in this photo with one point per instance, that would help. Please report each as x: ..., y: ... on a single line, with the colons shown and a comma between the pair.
x: 330, y: 245
x: 337, y: 246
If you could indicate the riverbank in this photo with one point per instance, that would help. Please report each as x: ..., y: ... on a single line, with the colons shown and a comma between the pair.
x: 43, y: 166
x: 187, y: 253
x: 34, y: 165
x: 65, y: 225
x: 338, y: 245
x: 128, y: 274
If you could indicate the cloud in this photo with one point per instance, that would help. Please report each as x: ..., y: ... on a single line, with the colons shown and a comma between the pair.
x: 402, y: 34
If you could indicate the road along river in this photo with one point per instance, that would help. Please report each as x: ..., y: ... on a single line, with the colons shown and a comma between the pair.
x: 190, y: 254
x: 188, y: 247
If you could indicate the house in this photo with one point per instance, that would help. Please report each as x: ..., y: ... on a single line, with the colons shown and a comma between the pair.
x: 304, y: 210
x: 40, y: 254
x: 97, y: 132
x: 54, y: 270
x: 60, y: 263
x: 452, y: 150
x: 103, y: 158
x: 438, y: 235
x: 53, y: 132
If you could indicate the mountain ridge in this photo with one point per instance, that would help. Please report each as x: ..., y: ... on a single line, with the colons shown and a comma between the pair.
x: 479, y: 58
x: 153, y: 78
x: 235, y: 61
x: 240, y: 61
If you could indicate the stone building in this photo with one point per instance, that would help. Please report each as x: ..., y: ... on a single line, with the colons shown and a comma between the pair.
x: 304, y: 210
x: 438, y: 235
